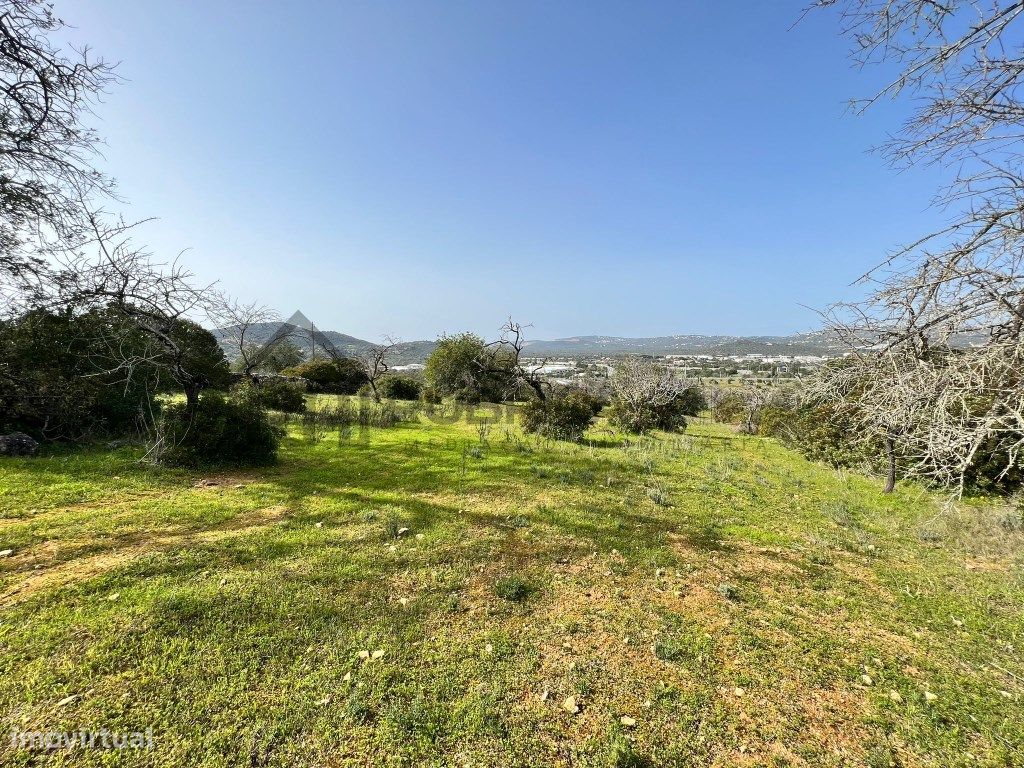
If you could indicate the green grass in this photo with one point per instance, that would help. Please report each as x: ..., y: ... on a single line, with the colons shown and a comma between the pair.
x: 722, y: 592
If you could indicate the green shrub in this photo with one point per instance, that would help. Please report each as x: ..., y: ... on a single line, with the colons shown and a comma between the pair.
x: 641, y: 418
x: 565, y: 417
x: 400, y: 388
x: 58, y: 380
x: 731, y: 408
x: 691, y: 401
x: 221, y: 431
x: 776, y: 422
x: 513, y: 588
x: 276, y: 394
x: 343, y: 376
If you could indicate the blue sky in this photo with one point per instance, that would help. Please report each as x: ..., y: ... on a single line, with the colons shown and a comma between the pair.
x: 413, y: 168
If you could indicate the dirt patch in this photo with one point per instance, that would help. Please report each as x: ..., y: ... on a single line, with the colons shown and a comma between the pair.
x: 122, y: 552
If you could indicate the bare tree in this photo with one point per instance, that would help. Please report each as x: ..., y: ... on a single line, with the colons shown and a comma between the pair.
x: 933, y: 403
x: 714, y: 395
x: 504, y: 358
x: 160, y: 302
x: 377, y: 363
x: 46, y: 150
x: 756, y: 397
x: 236, y: 323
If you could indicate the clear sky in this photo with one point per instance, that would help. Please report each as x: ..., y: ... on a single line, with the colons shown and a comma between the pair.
x: 411, y: 168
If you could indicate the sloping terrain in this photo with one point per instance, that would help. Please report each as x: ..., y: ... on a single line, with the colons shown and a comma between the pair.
x: 453, y: 593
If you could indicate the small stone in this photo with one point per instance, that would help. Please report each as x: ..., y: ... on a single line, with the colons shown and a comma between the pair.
x: 6, y: 552
x: 739, y: 691
x: 403, y: 600
x: 488, y: 648
x: 324, y: 701
x: 68, y: 699
x: 377, y: 654
x: 114, y: 596
x: 364, y: 655
x: 402, y: 531
x: 929, y: 696
x: 866, y: 679
x: 570, y: 705
x: 419, y: 537
x: 348, y: 677
x: 545, y: 694
x: 895, y: 696
x: 319, y: 525
x: 627, y: 721
x: 223, y: 582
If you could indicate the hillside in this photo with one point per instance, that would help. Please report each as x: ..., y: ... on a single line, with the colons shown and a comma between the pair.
x: 800, y: 344
x: 436, y: 593
x: 403, y: 354
x: 816, y: 344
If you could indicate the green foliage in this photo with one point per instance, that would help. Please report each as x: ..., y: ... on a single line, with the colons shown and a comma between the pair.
x: 202, y: 360
x: 565, y: 417
x: 825, y: 433
x: 691, y: 402
x: 993, y: 470
x: 343, y: 376
x: 513, y: 588
x: 222, y: 431
x: 465, y: 368
x: 55, y: 382
x: 622, y: 754
x: 293, y: 605
x: 640, y: 418
x: 277, y: 394
x: 731, y: 408
x: 283, y: 354
x: 776, y: 422
x: 400, y: 387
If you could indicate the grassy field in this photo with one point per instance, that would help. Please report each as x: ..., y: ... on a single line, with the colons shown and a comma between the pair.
x: 431, y: 595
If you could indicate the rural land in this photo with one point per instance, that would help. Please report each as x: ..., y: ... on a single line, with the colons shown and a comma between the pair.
x: 232, y: 536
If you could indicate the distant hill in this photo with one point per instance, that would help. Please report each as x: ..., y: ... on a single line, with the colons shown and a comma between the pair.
x: 799, y: 344
x: 350, y: 346
x: 578, y: 346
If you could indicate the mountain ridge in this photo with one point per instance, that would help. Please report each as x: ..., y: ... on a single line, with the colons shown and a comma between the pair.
x: 717, y: 345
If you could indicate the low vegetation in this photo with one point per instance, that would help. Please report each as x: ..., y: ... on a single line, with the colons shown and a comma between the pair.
x: 438, y: 593
x: 565, y: 417
x: 221, y: 431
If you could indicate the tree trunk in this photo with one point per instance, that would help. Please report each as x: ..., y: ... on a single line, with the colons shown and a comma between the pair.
x: 538, y: 388
x: 890, y: 456
x: 192, y: 399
